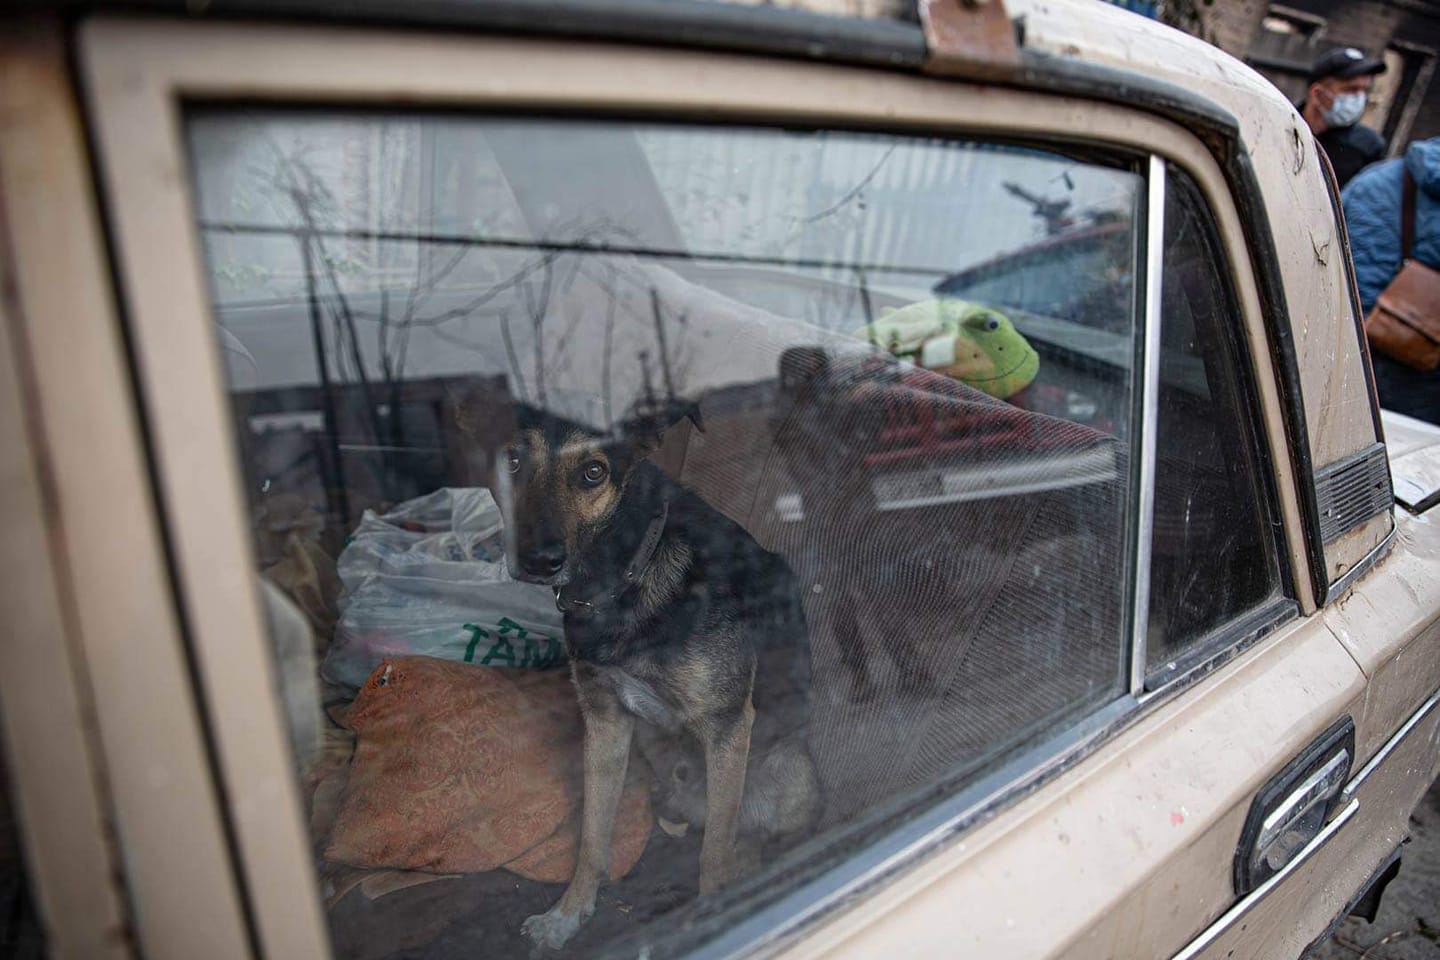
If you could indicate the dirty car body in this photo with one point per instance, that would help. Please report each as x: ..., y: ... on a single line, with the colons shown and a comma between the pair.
x: 1143, y: 660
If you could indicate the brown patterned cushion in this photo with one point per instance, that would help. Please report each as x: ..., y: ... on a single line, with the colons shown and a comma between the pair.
x: 460, y: 768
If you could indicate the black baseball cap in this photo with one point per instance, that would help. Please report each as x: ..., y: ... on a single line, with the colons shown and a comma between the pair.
x: 1344, y: 63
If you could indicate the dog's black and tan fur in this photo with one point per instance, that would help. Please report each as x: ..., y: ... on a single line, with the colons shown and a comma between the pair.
x: 681, y: 632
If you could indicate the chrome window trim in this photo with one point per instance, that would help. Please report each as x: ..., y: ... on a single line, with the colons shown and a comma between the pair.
x: 1389, y: 747
x: 1234, y: 635
x: 1224, y: 643
x: 924, y: 830
x: 1346, y: 580
x: 1251, y: 900
x: 1349, y: 805
x: 777, y: 925
x: 1147, y: 421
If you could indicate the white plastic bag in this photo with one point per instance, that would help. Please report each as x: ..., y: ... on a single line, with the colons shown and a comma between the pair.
x: 428, y: 578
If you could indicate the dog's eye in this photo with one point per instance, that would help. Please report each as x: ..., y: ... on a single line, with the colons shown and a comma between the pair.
x: 512, y: 460
x: 593, y: 472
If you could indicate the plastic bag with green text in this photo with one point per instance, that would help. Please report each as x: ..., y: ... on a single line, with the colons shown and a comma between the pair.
x: 429, y: 578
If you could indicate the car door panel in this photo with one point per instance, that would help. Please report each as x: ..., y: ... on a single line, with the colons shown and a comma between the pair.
x: 1301, y: 908
x: 1145, y: 834
x: 1123, y: 854
x: 1387, y: 623
x: 101, y: 519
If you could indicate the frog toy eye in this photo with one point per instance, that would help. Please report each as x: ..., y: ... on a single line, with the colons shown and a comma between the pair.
x: 984, y: 322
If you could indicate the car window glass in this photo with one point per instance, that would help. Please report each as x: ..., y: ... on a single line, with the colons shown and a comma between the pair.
x: 816, y: 434
x: 1213, y: 559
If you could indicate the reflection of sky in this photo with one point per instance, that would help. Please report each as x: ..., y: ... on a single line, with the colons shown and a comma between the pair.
x: 924, y: 208
x: 818, y: 195
x: 873, y: 198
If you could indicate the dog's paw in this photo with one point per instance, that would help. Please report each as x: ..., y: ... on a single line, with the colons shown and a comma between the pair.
x: 552, y: 929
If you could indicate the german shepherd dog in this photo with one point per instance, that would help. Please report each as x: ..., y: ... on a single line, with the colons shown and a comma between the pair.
x: 680, y: 631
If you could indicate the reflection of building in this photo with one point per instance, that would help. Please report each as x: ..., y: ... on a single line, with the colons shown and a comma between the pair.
x: 1282, y: 40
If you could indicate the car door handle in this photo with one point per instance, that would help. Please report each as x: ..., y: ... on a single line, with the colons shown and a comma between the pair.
x: 1292, y: 816
x: 1293, y: 807
x: 1248, y: 902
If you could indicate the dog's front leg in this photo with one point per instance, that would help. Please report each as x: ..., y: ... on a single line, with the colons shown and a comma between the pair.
x: 727, y: 748
x: 608, y: 728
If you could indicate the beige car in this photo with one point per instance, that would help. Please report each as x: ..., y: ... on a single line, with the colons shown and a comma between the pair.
x: 1121, y: 591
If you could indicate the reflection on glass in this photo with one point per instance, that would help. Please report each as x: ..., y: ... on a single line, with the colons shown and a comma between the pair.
x: 1211, y: 559
x: 670, y: 502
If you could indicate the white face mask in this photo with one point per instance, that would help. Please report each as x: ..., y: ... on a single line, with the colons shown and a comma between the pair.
x: 1345, y: 110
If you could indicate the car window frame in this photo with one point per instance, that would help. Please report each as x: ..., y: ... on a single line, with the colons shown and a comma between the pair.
x: 1343, y: 565
x: 139, y: 73
x: 1231, y: 636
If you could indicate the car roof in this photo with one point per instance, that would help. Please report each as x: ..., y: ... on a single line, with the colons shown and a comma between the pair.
x: 1083, y: 48
x: 882, y: 33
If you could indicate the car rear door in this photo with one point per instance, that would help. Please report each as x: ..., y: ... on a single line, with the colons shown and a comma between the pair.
x: 1125, y: 807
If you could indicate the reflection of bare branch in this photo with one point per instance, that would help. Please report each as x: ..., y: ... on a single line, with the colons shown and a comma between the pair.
x: 470, y: 307
x: 863, y: 286
x: 440, y: 333
x: 605, y: 358
x: 381, y: 336
x: 559, y: 347
x: 675, y: 358
x: 510, y: 352
x: 307, y: 192
x: 680, y: 360
x: 647, y: 389
x: 854, y: 191
x: 660, y: 338
x: 327, y: 397
x: 418, y: 298
x: 537, y: 308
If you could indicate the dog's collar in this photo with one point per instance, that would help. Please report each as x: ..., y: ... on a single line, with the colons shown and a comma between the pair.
x: 569, y: 603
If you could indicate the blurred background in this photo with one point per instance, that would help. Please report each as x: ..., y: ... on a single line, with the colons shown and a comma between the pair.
x: 1282, y: 40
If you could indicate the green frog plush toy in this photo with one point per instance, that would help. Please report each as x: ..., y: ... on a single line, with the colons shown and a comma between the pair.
x: 972, y: 343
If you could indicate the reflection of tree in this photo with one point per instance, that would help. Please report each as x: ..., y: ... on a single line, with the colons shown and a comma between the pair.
x: 523, y: 300
x: 529, y: 289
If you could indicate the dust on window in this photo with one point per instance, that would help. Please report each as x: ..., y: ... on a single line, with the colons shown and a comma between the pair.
x: 645, y: 509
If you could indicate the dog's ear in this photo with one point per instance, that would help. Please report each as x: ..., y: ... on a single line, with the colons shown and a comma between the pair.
x: 479, y: 422
x: 801, y: 368
x: 644, y: 432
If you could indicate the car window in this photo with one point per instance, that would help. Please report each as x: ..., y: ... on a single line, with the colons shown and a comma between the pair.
x: 681, y: 442
x: 1213, y: 560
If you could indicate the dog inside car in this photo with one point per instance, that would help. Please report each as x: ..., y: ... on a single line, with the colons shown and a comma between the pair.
x: 682, y: 633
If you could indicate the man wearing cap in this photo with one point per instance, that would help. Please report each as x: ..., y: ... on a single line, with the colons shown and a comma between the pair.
x: 1340, y: 82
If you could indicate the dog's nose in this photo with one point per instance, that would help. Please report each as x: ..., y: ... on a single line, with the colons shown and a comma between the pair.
x: 544, y: 561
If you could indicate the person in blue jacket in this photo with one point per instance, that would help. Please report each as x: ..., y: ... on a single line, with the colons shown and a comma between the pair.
x: 1372, y: 214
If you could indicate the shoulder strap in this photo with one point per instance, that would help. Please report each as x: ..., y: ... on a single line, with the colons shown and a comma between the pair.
x: 1407, y: 218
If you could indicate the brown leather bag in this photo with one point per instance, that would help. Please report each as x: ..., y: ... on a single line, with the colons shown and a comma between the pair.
x: 1405, y: 322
